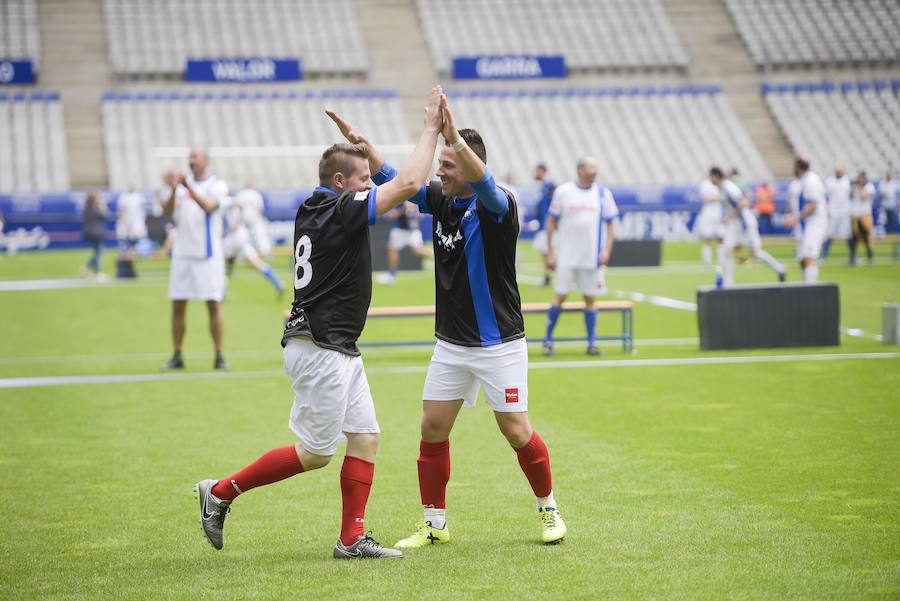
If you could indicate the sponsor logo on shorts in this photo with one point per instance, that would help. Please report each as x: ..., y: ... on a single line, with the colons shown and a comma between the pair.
x: 512, y: 395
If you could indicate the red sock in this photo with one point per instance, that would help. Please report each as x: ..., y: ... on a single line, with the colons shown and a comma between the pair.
x: 535, y: 462
x: 275, y: 465
x: 356, y: 482
x: 434, y: 473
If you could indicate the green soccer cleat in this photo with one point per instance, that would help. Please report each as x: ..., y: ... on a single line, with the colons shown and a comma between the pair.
x: 425, y: 535
x: 212, y: 512
x: 554, y: 528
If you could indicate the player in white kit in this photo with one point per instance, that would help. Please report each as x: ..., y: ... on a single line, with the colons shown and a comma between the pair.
x: 739, y: 227
x: 863, y: 195
x: 837, y: 193
x: 811, y: 216
x: 237, y: 244
x: 197, y: 203
x: 708, y: 225
x: 254, y: 217
x: 581, y: 218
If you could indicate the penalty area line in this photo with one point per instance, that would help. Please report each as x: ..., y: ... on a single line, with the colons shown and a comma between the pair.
x: 44, y: 381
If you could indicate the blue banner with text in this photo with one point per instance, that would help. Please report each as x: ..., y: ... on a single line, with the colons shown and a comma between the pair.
x: 508, y: 67
x: 243, y: 70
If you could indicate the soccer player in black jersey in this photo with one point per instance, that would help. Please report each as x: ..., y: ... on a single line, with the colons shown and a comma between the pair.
x: 332, y: 291
x: 478, y: 323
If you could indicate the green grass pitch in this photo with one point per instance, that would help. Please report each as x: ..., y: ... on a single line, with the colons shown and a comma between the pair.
x: 764, y: 480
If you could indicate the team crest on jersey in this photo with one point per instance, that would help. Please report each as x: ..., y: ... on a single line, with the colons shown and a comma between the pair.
x: 449, y: 241
x: 469, y: 214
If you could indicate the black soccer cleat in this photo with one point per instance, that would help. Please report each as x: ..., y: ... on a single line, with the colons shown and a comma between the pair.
x: 176, y: 362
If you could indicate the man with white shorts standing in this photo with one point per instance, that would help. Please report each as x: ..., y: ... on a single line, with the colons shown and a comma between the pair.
x: 811, y: 217
x: 708, y: 225
x: 837, y: 192
x: 584, y: 214
x: 197, y: 272
x: 739, y: 227
x: 332, y: 292
x: 480, y: 330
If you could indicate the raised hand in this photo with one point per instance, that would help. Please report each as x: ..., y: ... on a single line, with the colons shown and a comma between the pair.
x: 449, y: 130
x: 433, y: 117
x: 353, y: 135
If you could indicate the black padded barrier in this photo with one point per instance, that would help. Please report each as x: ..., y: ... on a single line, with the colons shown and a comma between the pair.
x: 777, y: 316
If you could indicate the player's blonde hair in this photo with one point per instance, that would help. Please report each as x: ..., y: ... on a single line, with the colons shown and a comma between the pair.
x: 336, y: 159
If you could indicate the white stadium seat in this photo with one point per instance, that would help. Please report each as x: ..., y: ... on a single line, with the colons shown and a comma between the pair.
x: 856, y: 124
x: 33, y: 143
x: 592, y: 35
x: 147, y: 38
x: 272, y: 138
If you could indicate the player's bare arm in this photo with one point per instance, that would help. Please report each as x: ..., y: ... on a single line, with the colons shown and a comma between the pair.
x: 355, y: 136
x: 550, y: 259
x: 208, y: 204
x: 472, y: 166
x: 610, y: 241
x: 415, y: 170
x: 170, y: 179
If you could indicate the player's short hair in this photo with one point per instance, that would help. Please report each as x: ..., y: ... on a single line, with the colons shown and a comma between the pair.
x: 337, y: 159
x: 801, y: 164
x: 473, y: 140
x: 716, y: 172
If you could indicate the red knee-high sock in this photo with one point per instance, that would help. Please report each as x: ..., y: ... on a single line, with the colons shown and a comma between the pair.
x: 356, y: 482
x: 434, y: 473
x: 535, y: 462
x: 275, y: 465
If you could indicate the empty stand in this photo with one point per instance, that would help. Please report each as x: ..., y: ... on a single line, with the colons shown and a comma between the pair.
x: 640, y: 136
x: 147, y: 38
x: 19, y: 37
x: 788, y: 33
x: 273, y: 139
x: 856, y: 124
x: 592, y: 35
x: 33, y: 143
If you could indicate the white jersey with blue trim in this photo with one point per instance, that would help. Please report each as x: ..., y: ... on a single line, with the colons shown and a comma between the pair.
x: 581, y: 214
x: 198, y: 234
x: 813, y: 190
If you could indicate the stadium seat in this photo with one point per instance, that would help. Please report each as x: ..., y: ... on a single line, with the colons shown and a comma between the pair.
x: 640, y: 136
x: 33, y: 145
x: 149, y: 38
x: 19, y: 35
x: 270, y: 138
x: 856, y: 124
x: 818, y: 32
x: 597, y: 35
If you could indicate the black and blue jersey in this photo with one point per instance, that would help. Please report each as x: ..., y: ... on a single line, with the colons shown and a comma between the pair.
x: 332, y: 268
x: 476, y: 294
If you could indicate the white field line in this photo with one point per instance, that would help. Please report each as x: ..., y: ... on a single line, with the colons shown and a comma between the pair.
x: 44, y: 381
x: 276, y: 352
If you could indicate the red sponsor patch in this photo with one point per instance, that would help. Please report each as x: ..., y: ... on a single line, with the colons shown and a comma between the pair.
x: 512, y: 395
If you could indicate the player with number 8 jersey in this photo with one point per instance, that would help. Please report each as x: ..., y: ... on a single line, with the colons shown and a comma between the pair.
x: 332, y: 291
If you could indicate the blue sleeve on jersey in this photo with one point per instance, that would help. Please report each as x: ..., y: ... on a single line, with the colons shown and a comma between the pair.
x: 493, y: 198
x: 421, y: 200
x: 385, y: 174
x: 372, y: 213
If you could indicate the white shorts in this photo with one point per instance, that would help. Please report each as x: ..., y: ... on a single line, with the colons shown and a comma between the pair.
x: 708, y: 225
x: 839, y: 226
x: 400, y: 238
x: 197, y: 279
x: 540, y: 242
x: 331, y: 396
x: 236, y: 245
x: 456, y: 372
x: 259, y: 238
x: 589, y: 281
x: 811, y: 243
x: 737, y: 233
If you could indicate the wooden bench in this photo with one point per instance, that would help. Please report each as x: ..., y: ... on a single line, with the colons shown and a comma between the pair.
x: 625, y: 308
